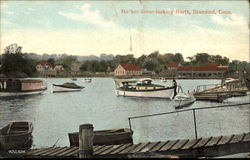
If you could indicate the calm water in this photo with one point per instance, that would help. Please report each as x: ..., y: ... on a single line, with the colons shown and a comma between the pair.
x: 54, y: 115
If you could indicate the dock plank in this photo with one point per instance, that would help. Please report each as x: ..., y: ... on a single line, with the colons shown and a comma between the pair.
x: 213, y: 141
x: 37, y: 150
x: 67, y: 151
x: 180, y: 144
x: 110, y: 149
x: 191, y: 143
x: 104, y: 148
x: 149, y: 147
x: 158, y: 146
x: 169, y: 145
x: 247, y: 137
x: 237, y: 138
x: 225, y: 140
x: 138, y: 148
x: 58, y: 152
x: 125, y: 151
x: 73, y: 153
x: 44, y: 151
x: 51, y: 151
x: 202, y: 142
x: 123, y: 147
x: 96, y: 148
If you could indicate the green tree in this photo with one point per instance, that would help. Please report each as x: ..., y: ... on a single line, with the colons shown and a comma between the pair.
x: 201, y: 58
x: 51, y: 60
x: 15, y: 63
x: 67, y: 61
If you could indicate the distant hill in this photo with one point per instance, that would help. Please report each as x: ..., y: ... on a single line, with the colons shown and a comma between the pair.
x: 45, y: 56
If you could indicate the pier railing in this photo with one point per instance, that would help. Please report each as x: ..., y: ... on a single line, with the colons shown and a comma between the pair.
x: 185, y: 110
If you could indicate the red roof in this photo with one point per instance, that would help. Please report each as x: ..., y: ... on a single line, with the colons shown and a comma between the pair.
x: 130, y: 67
x: 173, y: 64
x: 207, y: 67
x: 43, y: 63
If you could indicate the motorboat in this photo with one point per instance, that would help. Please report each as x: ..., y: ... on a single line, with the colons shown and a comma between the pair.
x: 17, y: 135
x: 66, y: 87
x: 73, y: 79
x: 106, y: 137
x: 183, y: 100
x: 143, y: 88
x: 10, y: 87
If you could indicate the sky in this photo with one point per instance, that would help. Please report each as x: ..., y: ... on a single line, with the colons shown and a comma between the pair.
x: 97, y: 27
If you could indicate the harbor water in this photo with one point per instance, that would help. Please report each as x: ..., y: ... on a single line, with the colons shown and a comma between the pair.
x: 54, y: 115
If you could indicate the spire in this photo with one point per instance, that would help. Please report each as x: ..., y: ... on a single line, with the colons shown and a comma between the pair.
x: 130, y: 48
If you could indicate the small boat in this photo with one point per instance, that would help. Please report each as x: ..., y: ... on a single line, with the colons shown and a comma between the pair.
x: 183, y: 100
x: 106, y: 137
x: 87, y: 80
x: 143, y: 88
x: 66, y: 87
x: 163, y: 79
x: 17, y: 135
x: 73, y: 79
x: 10, y: 87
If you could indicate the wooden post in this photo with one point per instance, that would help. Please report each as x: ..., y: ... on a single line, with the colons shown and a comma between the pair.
x: 86, y: 136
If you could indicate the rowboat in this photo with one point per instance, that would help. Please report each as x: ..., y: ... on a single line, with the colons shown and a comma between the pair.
x: 12, y: 87
x: 106, y: 137
x: 66, y: 87
x: 143, y: 88
x: 17, y: 135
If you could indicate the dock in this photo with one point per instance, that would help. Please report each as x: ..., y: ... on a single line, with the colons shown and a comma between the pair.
x: 183, y: 148
x: 220, y: 92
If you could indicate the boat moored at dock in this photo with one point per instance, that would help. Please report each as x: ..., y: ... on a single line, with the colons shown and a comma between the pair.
x: 106, y: 137
x: 17, y: 135
x: 143, y: 88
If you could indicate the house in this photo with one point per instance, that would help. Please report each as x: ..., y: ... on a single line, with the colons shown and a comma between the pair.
x: 44, y: 66
x: 172, y: 69
x: 49, y: 69
x: 128, y: 69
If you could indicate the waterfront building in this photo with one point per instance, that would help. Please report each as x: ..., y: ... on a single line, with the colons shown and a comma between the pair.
x: 128, y: 69
x: 207, y: 70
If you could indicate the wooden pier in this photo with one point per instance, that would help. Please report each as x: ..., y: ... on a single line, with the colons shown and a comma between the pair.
x: 220, y: 92
x: 183, y: 148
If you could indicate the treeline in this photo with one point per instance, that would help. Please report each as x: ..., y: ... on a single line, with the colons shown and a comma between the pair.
x: 153, y: 62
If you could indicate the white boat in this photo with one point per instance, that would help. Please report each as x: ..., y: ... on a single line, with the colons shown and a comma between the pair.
x: 12, y: 87
x: 87, y: 80
x: 183, y: 100
x: 66, y: 87
x: 143, y: 88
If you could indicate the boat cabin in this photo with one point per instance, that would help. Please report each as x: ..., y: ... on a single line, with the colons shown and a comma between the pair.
x: 18, y: 85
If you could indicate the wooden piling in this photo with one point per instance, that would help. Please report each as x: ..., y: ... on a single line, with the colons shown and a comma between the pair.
x: 86, y: 136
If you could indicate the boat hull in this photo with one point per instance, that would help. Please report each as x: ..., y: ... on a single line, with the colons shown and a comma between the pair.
x: 105, y: 137
x: 64, y: 89
x: 26, y: 93
x: 16, y: 142
x: 162, y: 93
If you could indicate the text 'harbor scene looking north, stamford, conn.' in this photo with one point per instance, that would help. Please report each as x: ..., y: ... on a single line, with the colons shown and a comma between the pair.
x: 124, y: 79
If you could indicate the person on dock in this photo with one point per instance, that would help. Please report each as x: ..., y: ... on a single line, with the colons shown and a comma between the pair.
x: 175, y: 87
